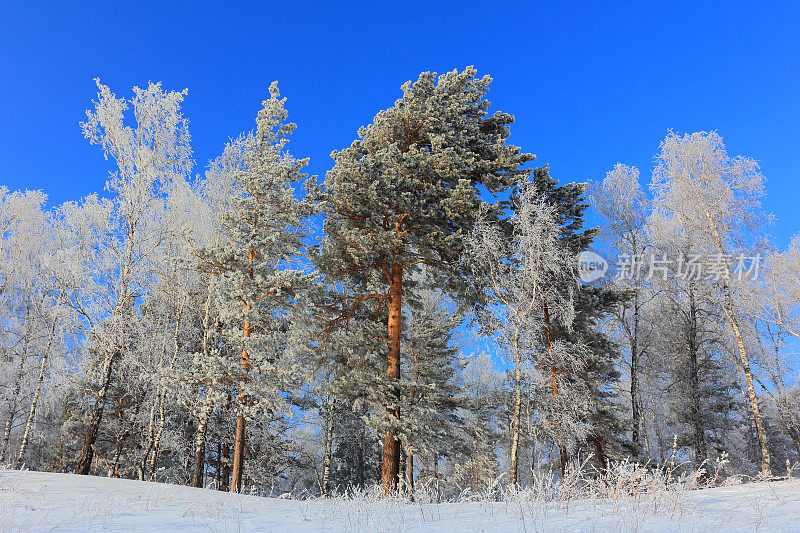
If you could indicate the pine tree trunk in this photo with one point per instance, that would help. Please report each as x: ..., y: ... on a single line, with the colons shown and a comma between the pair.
x: 390, y: 463
x: 239, y: 438
x: 84, y: 463
x: 562, y: 450
x: 328, y: 449
x: 226, y: 466
x: 115, y: 463
x: 200, y: 441
x: 602, y: 459
x: 239, y: 443
x: 238, y: 455
x: 563, y: 460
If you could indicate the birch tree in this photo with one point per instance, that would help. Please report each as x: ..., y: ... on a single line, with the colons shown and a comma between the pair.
x: 717, y: 198
x: 109, y: 241
x: 622, y: 203
x: 524, y: 271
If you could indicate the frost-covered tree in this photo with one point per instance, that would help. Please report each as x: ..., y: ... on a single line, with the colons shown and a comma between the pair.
x: 773, y: 305
x: 624, y: 207
x: 404, y: 194
x: 258, y: 272
x: 108, y: 242
x: 524, y: 271
x: 202, y: 382
x: 474, y: 466
x: 430, y: 414
x: 716, y: 198
x: 577, y: 409
x: 32, y: 319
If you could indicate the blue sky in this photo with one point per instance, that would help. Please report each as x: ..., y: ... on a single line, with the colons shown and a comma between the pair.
x: 590, y: 83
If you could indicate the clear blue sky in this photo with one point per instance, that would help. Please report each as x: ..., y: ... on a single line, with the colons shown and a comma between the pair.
x: 590, y: 83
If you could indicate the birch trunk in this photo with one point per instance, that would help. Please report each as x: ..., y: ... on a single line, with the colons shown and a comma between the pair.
x: 31, y: 413
x: 12, y: 407
x: 515, y: 423
x: 35, y: 401
x: 328, y: 449
x: 200, y: 441
x: 751, y: 392
x: 730, y: 313
x: 208, y: 406
x: 151, y: 464
x: 151, y: 437
x: 84, y: 463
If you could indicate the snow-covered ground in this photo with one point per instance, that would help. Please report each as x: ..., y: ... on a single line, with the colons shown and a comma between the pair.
x: 37, y: 501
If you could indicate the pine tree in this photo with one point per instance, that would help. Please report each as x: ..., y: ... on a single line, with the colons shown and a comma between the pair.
x: 578, y: 401
x: 429, y: 417
x: 405, y: 193
x: 257, y: 270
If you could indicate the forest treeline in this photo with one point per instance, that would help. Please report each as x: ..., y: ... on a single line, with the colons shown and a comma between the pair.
x: 421, y: 315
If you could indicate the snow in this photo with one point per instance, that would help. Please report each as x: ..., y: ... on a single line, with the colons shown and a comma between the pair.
x: 39, y: 501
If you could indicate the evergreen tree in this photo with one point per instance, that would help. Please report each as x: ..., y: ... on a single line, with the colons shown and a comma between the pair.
x: 429, y: 418
x: 257, y: 271
x: 405, y: 193
x: 581, y: 359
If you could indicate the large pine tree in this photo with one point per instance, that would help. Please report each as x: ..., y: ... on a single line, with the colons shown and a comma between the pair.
x: 404, y: 194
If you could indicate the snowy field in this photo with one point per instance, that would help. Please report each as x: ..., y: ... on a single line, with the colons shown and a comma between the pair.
x: 37, y: 501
